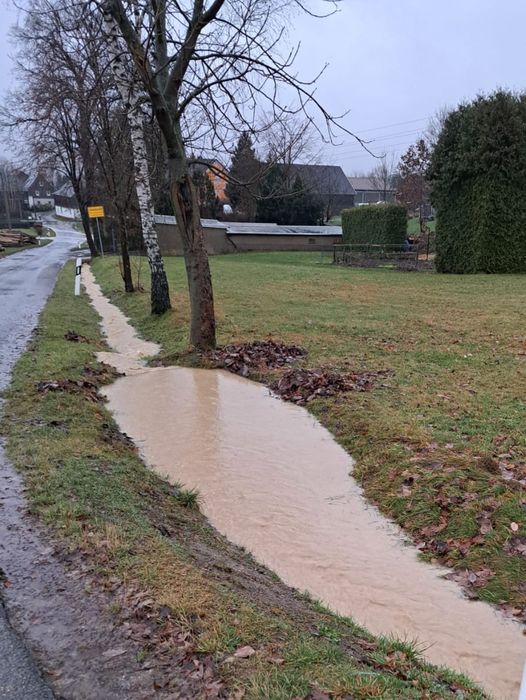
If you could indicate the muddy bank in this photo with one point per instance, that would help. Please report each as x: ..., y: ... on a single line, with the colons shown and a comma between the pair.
x: 81, y: 650
x: 273, y: 480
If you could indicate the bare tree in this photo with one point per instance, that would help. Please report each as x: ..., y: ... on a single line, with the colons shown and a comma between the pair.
x: 76, y: 121
x: 52, y: 111
x: 382, y: 175
x: 290, y: 139
x: 209, y: 69
x: 10, y: 191
x: 436, y: 123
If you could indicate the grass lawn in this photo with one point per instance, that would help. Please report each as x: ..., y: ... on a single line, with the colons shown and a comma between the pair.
x: 442, y: 448
x: 88, y: 483
x: 413, y: 226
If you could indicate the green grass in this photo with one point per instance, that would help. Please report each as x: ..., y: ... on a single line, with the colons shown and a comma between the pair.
x: 87, y: 482
x: 455, y: 401
x: 413, y: 226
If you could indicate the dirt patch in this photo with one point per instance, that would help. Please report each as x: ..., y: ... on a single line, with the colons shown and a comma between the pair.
x: 258, y: 355
x: 303, y: 385
x: 71, y: 386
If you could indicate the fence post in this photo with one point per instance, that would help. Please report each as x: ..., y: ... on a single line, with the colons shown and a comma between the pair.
x: 522, y: 691
x: 78, y: 270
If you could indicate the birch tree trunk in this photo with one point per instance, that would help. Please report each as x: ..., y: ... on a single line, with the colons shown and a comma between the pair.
x: 131, y: 97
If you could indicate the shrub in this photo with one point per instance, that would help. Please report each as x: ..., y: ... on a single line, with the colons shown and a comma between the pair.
x: 375, y: 223
x: 478, y: 180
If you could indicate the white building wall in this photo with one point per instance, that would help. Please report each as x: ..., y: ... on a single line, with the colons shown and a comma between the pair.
x: 67, y: 213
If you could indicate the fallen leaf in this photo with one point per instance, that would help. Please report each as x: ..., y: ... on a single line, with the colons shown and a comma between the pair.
x: 244, y: 652
x: 112, y: 653
x: 485, y: 527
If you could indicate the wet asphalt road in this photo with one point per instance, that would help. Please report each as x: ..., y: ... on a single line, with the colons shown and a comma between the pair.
x: 26, y: 280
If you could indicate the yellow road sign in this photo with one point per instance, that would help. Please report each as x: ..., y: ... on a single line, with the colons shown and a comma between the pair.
x: 96, y: 212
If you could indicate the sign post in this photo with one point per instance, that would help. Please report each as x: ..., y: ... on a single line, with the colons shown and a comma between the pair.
x: 97, y: 212
x: 78, y: 270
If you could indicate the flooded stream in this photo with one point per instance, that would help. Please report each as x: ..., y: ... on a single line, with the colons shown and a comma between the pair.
x: 273, y: 480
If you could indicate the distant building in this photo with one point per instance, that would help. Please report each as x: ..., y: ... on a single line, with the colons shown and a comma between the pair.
x: 66, y: 205
x: 216, y: 173
x: 368, y: 192
x: 329, y: 182
x: 38, y: 192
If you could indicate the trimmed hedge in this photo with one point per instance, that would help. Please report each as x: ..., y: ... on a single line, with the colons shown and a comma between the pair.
x: 478, y: 177
x: 375, y: 223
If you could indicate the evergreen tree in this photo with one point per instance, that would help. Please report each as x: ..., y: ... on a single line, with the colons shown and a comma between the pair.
x: 413, y: 187
x: 478, y: 176
x: 286, y: 201
x: 209, y: 204
x: 244, y: 169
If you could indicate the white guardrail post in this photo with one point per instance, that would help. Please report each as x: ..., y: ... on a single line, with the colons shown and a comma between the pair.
x: 78, y: 270
x: 522, y: 691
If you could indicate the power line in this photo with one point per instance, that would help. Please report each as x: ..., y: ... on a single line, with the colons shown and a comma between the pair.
x: 388, y: 126
x: 371, y: 147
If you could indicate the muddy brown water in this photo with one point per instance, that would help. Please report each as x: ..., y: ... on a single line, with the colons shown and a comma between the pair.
x: 273, y: 480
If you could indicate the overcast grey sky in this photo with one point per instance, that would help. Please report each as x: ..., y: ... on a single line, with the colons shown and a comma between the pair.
x: 392, y: 64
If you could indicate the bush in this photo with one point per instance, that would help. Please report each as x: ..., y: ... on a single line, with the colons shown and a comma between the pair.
x: 375, y: 223
x: 478, y: 179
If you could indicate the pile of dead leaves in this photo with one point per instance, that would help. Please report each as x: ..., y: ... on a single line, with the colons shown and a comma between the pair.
x: 303, y: 385
x: 72, y: 386
x: 75, y: 337
x: 102, y: 373
x: 259, y: 355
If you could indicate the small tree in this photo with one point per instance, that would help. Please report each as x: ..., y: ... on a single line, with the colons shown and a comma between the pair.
x: 209, y: 205
x: 382, y: 175
x: 413, y: 187
x: 10, y: 192
x: 243, y: 176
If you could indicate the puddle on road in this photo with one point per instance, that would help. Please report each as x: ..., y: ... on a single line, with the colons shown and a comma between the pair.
x: 273, y: 480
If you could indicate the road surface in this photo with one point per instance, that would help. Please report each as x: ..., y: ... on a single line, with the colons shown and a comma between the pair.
x: 26, y: 280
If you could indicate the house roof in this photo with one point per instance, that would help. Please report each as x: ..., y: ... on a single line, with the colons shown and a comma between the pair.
x: 31, y: 181
x: 65, y: 190
x: 366, y: 184
x: 205, y: 163
x: 241, y: 228
x: 325, y: 179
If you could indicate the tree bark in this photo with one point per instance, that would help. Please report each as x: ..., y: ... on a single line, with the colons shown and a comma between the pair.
x: 186, y: 207
x: 131, y: 97
x: 85, y: 220
x: 125, y: 254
